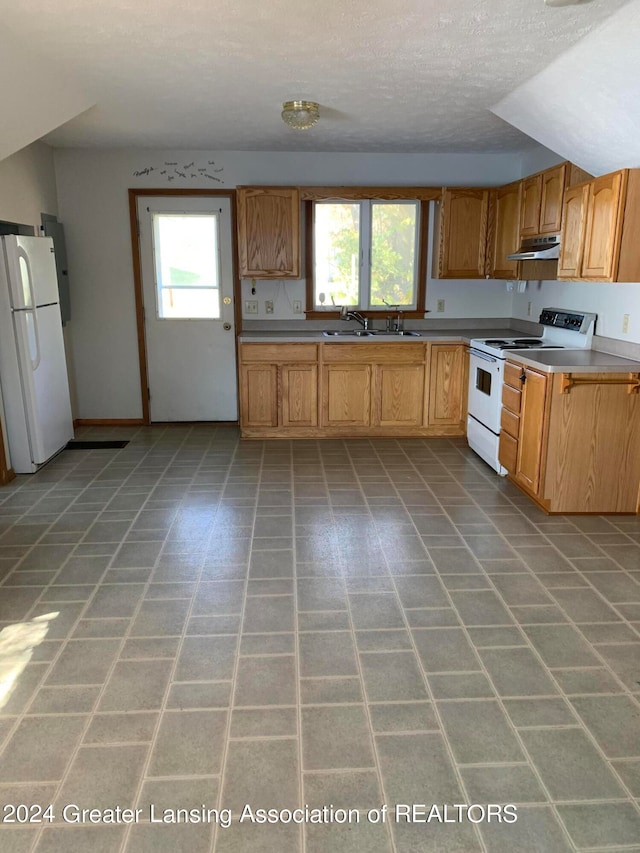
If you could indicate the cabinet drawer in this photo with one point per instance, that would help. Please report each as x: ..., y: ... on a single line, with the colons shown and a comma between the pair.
x: 508, y: 452
x: 279, y: 352
x: 510, y: 423
x: 389, y: 353
x: 512, y: 374
x: 511, y: 399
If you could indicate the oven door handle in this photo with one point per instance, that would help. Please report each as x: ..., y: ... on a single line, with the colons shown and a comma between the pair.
x: 482, y: 355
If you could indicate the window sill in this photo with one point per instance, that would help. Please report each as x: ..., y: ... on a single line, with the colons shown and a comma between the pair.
x: 373, y: 315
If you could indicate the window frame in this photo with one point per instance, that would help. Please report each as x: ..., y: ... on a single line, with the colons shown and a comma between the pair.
x: 419, y: 311
x: 156, y: 259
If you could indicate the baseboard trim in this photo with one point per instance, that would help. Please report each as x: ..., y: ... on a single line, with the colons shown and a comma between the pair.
x: 6, y: 476
x: 78, y: 422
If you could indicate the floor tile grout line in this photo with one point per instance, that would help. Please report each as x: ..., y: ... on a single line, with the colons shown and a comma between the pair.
x: 429, y: 692
x: 236, y: 661
x: 365, y: 703
x: 90, y: 714
x: 302, y: 834
x: 580, y: 722
x: 172, y: 670
x: 529, y: 571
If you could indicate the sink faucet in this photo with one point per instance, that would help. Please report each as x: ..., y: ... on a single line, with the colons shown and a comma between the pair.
x: 345, y: 314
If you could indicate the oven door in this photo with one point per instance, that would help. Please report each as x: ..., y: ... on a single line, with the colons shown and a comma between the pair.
x: 486, y: 374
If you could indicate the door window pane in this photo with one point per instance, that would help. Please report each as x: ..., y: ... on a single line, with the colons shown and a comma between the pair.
x: 186, y: 255
x: 337, y: 254
x: 393, y: 253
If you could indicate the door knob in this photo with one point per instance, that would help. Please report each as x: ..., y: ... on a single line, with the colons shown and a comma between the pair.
x: 226, y: 326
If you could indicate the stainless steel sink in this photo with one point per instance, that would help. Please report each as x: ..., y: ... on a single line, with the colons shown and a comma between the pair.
x: 367, y: 333
x: 351, y: 333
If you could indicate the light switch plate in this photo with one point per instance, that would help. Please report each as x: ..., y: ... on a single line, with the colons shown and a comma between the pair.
x: 251, y: 306
x: 268, y: 306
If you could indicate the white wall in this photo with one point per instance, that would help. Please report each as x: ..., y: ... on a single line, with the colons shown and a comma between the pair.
x: 609, y: 301
x: 584, y: 105
x: 28, y: 185
x: 92, y: 192
x: 35, y: 97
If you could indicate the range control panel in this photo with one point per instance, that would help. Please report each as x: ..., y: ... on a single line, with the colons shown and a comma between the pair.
x: 573, y: 320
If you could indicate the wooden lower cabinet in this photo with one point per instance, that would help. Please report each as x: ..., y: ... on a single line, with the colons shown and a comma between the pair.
x: 532, y: 415
x: 340, y: 390
x: 299, y: 403
x: 572, y: 446
x: 346, y: 395
x: 447, y: 385
x: 398, y: 396
x: 259, y: 395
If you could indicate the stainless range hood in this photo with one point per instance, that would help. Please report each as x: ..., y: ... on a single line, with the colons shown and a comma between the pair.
x: 538, y: 249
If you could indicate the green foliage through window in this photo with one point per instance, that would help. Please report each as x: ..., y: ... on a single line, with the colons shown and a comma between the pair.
x: 365, y: 253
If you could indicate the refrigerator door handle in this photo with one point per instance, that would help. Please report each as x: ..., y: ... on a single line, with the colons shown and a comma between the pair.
x: 22, y: 255
x: 32, y: 314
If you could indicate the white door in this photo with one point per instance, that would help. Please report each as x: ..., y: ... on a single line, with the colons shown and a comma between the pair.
x: 186, y: 253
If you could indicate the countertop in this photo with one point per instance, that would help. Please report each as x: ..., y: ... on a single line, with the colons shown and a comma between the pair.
x: 547, y: 360
x: 297, y: 337
x: 574, y: 361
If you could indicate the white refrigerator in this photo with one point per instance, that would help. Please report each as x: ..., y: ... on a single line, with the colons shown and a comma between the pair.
x: 33, y: 370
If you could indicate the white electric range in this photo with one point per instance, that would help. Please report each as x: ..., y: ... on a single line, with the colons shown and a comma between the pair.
x: 563, y: 329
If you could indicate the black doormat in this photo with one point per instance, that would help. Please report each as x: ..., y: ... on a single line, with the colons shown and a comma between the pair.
x: 95, y: 445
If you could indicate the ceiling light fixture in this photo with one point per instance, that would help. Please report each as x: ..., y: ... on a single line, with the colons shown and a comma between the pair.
x: 300, y: 115
x: 562, y: 2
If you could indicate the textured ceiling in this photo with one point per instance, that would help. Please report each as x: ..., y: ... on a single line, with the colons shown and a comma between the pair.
x: 390, y: 75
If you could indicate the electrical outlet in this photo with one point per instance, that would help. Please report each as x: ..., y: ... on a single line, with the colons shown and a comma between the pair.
x: 625, y: 324
x: 251, y: 306
x: 268, y: 306
x: 297, y: 306
x: 440, y: 307
x: 529, y: 306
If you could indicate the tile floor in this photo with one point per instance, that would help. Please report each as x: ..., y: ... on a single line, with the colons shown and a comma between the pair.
x: 331, y: 622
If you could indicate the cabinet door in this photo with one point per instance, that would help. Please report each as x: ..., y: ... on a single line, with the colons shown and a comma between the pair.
x: 259, y: 395
x: 504, y: 231
x: 532, y: 418
x: 531, y: 200
x: 601, y: 242
x: 268, y: 232
x: 553, y: 181
x: 346, y: 395
x: 446, y: 384
x: 463, y: 233
x: 571, y: 247
x: 508, y: 452
x: 398, y: 395
x: 299, y: 384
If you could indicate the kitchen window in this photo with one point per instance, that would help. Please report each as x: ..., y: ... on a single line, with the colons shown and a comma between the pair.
x: 367, y: 254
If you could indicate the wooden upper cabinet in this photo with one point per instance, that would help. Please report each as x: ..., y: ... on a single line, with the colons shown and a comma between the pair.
x: 531, y: 200
x: 602, y: 232
x: 268, y: 232
x: 504, y: 231
x: 463, y: 233
x: 542, y: 196
x: 553, y: 183
x: 571, y: 247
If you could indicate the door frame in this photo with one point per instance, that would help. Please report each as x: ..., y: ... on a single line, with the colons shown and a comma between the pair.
x: 137, y: 275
